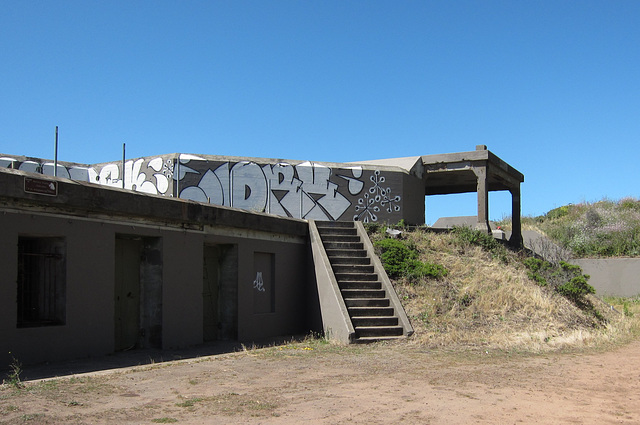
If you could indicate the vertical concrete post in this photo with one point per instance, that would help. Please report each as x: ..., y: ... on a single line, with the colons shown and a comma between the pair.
x: 483, y: 194
x: 516, y: 232
x: 483, y: 198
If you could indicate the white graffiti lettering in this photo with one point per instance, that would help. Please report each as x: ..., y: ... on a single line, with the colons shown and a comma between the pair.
x: 258, y: 283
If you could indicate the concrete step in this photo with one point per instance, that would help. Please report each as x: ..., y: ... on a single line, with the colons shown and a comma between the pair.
x: 370, y: 311
x: 356, y: 277
x: 365, y: 321
x: 352, y: 268
x: 367, y: 284
x: 340, y: 238
x: 343, y: 245
x: 338, y: 231
x: 378, y: 331
x: 339, y: 261
x: 371, y: 339
x: 366, y: 302
x: 363, y: 293
x: 334, y: 224
x: 346, y: 253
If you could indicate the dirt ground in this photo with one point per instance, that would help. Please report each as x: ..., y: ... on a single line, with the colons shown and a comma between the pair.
x: 320, y: 383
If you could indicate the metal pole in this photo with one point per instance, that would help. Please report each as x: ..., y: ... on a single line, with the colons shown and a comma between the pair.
x: 123, y: 156
x: 177, y: 168
x: 55, y: 156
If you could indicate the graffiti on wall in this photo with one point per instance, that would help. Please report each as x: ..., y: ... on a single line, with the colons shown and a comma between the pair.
x: 78, y: 173
x: 152, y: 176
x: 377, y: 198
x: 258, y: 283
x: 306, y: 190
x: 142, y: 175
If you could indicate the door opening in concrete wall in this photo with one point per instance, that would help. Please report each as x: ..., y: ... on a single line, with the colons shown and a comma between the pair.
x: 41, y: 281
x: 264, y: 291
x: 220, y: 292
x: 138, y: 292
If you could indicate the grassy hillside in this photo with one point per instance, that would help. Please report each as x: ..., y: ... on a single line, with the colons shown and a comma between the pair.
x: 465, y: 289
x: 601, y: 229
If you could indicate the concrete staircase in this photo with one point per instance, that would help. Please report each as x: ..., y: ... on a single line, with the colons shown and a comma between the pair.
x: 367, y: 300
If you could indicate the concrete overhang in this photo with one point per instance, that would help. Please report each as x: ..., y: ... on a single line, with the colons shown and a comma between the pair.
x: 455, y: 172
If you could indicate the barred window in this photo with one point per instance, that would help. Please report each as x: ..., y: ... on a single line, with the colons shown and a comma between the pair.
x: 41, y: 281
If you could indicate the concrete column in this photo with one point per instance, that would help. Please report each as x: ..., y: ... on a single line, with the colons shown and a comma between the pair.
x: 516, y: 232
x: 483, y: 198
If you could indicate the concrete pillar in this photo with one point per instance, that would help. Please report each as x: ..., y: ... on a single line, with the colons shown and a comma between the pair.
x: 483, y: 198
x: 516, y: 232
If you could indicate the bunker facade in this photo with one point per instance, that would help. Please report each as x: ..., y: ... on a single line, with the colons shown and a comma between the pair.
x: 176, y: 250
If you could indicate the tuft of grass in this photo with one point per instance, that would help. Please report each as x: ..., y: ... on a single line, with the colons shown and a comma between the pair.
x: 190, y: 402
x: 164, y: 420
x: 15, y: 370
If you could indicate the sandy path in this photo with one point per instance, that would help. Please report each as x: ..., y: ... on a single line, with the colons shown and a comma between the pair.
x: 373, y: 385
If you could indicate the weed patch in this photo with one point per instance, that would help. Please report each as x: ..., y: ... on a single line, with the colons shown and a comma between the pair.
x: 15, y: 370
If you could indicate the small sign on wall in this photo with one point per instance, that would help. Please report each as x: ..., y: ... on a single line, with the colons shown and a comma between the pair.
x: 40, y: 186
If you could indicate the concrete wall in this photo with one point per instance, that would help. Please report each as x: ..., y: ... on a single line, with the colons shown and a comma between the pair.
x: 174, y: 234
x: 615, y: 276
x: 295, y: 189
x: 89, y: 327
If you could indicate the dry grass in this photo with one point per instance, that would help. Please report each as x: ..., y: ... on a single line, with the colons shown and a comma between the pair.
x: 486, y: 303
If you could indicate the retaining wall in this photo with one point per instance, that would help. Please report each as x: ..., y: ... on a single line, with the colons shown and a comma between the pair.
x: 614, y: 276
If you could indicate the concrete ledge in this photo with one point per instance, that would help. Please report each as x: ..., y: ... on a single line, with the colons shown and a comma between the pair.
x: 87, y: 199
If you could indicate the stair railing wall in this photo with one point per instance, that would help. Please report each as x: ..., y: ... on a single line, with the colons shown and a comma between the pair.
x: 336, y: 322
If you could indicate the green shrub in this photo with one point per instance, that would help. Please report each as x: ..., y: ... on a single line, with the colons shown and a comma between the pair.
x: 401, y: 260
x: 576, y: 287
x: 566, y: 279
x: 425, y: 269
x: 397, y: 258
x: 558, y: 212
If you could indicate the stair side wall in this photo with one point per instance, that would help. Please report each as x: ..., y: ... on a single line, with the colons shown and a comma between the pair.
x: 336, y: 322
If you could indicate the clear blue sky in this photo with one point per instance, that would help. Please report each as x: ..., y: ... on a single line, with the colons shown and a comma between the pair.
x: 551, y: 87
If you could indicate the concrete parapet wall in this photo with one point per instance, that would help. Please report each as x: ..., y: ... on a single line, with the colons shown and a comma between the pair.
x: 613, y: 276
x: 297, y: 189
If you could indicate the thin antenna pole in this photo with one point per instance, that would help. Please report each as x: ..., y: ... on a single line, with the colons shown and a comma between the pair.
x: 123, y: 156
x: 177, y: 168
x: 55, y: 155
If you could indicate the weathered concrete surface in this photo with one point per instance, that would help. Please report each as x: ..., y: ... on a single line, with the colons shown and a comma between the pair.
x: 335, y: 316
x: 544, y: 247
x: 91, y: 219
x: 612, y: 276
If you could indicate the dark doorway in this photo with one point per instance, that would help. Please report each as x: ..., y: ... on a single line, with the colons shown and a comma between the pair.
x: 138, y: 292
x: 220, y: 292
x: 127, y: 292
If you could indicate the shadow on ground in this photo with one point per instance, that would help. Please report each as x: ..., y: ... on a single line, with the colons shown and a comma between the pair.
x: 137, y: 357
